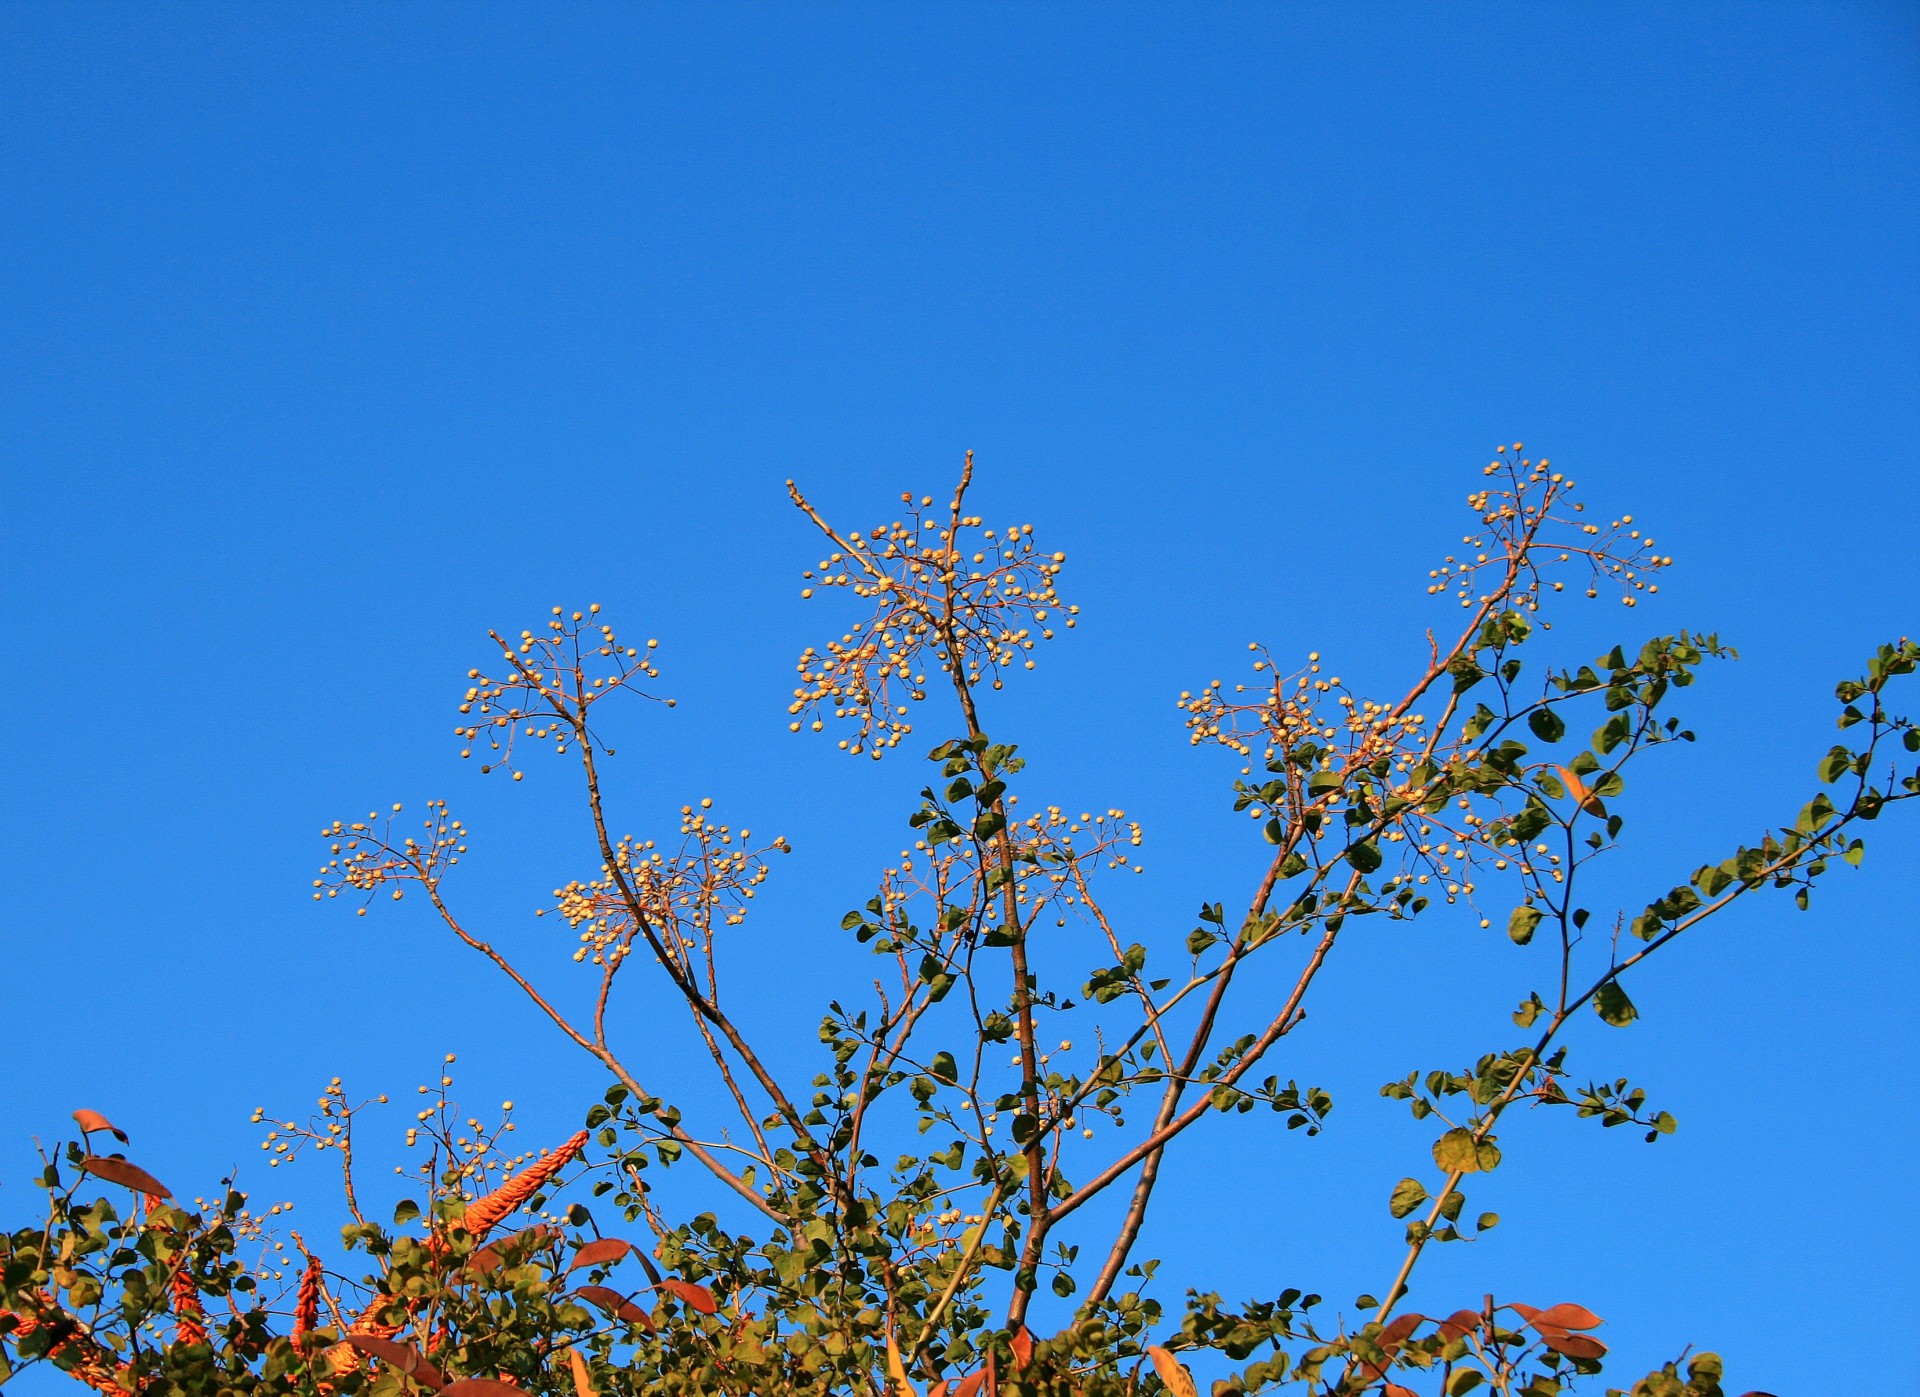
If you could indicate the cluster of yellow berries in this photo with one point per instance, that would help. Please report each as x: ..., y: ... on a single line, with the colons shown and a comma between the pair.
x: 1515, y: 543
x: 1444, y: 845
x: 682, y: 898
x: 1052, y: 853
x: 365, y: 855
x: 978, y: 604
x: 460, y: 1151
x: 332, y: 1129
x: 1287, y: 713
x: 553, y: 678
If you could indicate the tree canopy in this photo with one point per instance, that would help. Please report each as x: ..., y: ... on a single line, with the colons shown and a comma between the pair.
x: 882, y: 1225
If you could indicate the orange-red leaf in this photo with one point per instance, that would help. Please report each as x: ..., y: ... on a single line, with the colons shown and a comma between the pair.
x: 1577, y: 789
x: 970, y: 1384
x: 697, y: 1296
x: 1566, y: 1316
x: 118, y: 1171
x: 614, y: 1303
x: 481, y: 1387
x: 1398, y: 1331
x: 90, y: 1121
x: 1572, y: 1345
x: 1458, y: 1323
x: 1393, y: 1389
x: 582, y: 1378
x: 1023, y: 1347
x: 400, y: 1358
x: 593, y: 1253
x: 1172, y: 1372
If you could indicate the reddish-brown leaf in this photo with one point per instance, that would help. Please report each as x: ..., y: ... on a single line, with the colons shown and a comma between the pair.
x: 91, y: 1121
x: 1566, y: 1316
x: 616, y: 1304
x: 481, y: 1387
x: 939, y: 1389
x: 646, y: 1264
x: 1572, y: 1345
x: 491, y: 1255
x: 696, y: 1296
x: 593, y: 1253
x: 970, y: 1384
x: 1171, y: 1370
x: 1023, y: 1347
x: 1458, y: 1323
x: 400, y: 1358
x: 1399, y: 1330
x: 1393, y: 1389
x: 118, y: 1171
x: 1526, y: 1312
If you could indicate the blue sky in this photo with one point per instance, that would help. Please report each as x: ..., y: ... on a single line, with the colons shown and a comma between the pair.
x: 336, y: 335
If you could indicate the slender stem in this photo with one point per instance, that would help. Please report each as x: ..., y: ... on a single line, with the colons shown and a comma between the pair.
x: 1759, y: 878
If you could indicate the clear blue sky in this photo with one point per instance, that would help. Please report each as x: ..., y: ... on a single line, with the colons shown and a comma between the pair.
x: 337, y: 334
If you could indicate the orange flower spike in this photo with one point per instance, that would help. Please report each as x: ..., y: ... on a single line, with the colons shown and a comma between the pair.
x: 484, y: 1214
x: 189, y: 1318
x: 306, y: 1307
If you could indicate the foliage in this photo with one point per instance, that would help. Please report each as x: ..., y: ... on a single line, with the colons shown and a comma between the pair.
x: 882, y: 1227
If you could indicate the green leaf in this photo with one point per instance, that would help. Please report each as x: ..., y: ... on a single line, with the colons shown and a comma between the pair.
x: 1546, y: 725
x: 1364, y: 856
x: 1529, y: 1011
x: 1530, y: 821
x: 1465, y: 673
x: 1456, y: 1152
x: 1705, y: 1371
x: 1612, y: 733
x: 1612, y: 1005
x: 1521, y: 923
x: 1408, y: 1194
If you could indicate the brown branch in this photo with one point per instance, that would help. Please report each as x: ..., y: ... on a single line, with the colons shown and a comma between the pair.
x: 1166, y: 1124
x: 1282, y: 1024
x: 575, y: 717
x: 604, y: 1055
